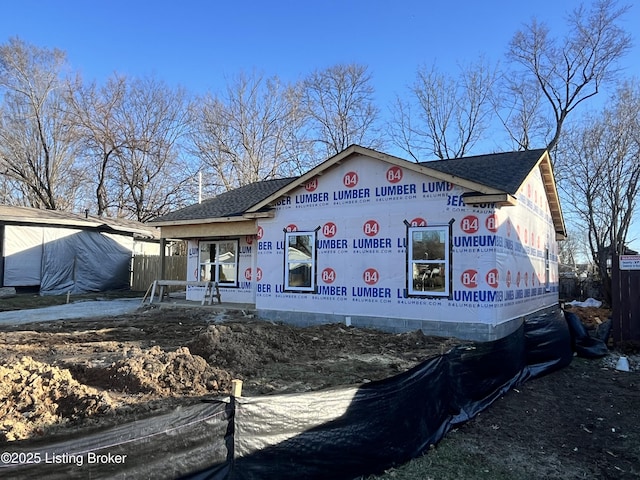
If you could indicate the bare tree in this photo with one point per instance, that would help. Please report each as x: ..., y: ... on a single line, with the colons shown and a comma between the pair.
x: 338, y: 103
x: 599, y: 169
x: 98, y: 113
x: 250, y: 134
x: 132, y: 132
x: 37, y: 139
x: 445, y: 115
x: 518, y: 106
x: 149, y: 169
x: 573, y: 69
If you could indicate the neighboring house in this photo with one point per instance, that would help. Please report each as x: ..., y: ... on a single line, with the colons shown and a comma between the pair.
x: 58, y: 252
x: 463, y: 247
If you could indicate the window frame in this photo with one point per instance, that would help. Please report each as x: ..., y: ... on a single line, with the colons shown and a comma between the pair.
x: 447, y: 261
x: 311, y: 262
x: 216, y: 264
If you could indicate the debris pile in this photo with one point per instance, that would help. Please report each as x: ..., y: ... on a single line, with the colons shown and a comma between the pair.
x: 34, y: 395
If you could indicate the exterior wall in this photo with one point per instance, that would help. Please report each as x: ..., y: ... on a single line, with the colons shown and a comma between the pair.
x: 146, y: 247
x: 528, y: 262
x: 23, y: 248
x: 245, y: 291
x: 486, y: 256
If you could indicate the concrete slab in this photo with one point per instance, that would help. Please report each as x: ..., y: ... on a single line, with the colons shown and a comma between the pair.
x: 90, y: 309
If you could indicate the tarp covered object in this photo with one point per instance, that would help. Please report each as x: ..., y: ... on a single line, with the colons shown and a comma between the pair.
x: 339, y: 433
x: 85, y: 261
x: 63, y: 260
x: 583, y: 344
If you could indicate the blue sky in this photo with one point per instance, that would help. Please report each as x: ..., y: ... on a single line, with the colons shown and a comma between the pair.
x: 198, y: 43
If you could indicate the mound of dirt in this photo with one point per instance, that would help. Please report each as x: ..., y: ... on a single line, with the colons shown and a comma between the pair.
x: 166, y: 373
x: 243, y: 347
x: 34, y: 395
x: 282, y: 358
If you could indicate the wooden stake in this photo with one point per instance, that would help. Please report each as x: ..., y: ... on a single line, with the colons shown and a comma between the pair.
x: 236, y: 388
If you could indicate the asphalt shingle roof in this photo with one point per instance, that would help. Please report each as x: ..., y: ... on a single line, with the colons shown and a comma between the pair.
x: 502, y: 171
x: 229, y: 204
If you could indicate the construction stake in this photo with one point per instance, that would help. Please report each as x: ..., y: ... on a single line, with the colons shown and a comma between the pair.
x: 236, y: 388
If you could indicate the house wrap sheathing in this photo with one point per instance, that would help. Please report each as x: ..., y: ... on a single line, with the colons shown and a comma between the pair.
x: 464, y: 247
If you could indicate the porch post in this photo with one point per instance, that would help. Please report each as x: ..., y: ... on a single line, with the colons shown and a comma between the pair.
x: 163, y: 248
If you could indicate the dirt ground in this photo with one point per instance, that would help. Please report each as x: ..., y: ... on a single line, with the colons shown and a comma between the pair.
x: 75, y: 375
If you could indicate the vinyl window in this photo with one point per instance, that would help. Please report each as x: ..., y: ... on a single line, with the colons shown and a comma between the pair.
x: 428, y: 261
x: 300, y: 261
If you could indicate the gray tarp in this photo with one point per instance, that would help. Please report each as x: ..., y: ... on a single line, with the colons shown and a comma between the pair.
x: 65, y: 260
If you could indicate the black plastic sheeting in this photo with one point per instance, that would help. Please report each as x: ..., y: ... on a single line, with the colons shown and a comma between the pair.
x: 165, y: 446
x: 332, y: 434
x: 581, y: 342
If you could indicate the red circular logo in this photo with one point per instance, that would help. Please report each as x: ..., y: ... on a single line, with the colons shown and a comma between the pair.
x: 248, y: 239
x: 260, y: 233
x: 491, y: 223
x: 370, y: 276
x: 371, y: 228
x: 469, y: 224
x: 418, y: 222
x: 258, y: 274
x: 469, y: 278
x: 394, y: 174
x: 311, y: 185
x: 291, y: 228
x: 328, y: 275
x: 247, y: 274
x: 492, y: 278
x: 508, y: 280
x: 518, y: 279
x: 350, y: 179
x: 329, y: 229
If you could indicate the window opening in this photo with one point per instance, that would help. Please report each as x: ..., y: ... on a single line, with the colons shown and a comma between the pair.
x: 300, y: 268
x: 429, y: 258
x: 219, y: 262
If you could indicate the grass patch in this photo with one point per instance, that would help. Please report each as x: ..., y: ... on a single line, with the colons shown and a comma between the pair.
x: 454, y: 459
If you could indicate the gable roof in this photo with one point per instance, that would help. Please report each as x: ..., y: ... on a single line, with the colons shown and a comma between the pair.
x: 233, y: 203
x: 491, y: 178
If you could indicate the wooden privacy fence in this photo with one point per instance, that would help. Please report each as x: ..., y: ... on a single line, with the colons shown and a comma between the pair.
x: 625, y: 299
x: 146, y: 269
